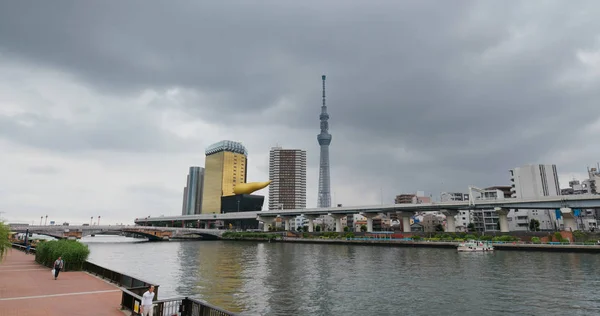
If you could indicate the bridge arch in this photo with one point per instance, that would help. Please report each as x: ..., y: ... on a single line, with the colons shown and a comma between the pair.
x: 100, y: 232
x: 204, y: 236
x: 48, y: 234
x: 143, y: 234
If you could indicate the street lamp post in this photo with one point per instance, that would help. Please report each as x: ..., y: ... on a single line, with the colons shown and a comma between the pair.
x: 46, y: 222
x: 98, y: 220
x: 91, y: 219
x: 41, y: 217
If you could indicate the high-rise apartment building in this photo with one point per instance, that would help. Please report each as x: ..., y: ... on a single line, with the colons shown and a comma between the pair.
x: 192, y: 193
x: 533, y: 181
x: 287, y: 170
x: 225, y: 166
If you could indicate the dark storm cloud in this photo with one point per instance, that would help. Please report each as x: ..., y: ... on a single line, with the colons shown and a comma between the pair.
x: 109, y: 133
x: 468, y: 89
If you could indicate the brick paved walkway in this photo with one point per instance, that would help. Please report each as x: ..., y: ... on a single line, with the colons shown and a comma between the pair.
x: 29, y: 289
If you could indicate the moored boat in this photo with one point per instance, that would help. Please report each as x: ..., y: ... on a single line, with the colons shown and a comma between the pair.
x: 475, y: 246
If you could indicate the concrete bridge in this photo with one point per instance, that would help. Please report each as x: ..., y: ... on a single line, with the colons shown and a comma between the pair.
x: 563, y: 203
x: 150, y: 232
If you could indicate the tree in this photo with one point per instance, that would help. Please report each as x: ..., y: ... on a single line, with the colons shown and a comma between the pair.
x: 579, y: 235
x: 318, y: 228
x: 363, y: 228
x: 534, y: 225
x: 4, y: 242
x: 471, y: 227
x: 346, y: 229
x: 439, y: 228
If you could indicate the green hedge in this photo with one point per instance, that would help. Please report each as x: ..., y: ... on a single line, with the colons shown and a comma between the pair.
x: 4, y: 241
x: 73, y: 253
x: 505, y: 238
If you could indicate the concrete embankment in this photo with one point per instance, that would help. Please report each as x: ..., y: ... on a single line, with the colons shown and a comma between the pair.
x: 374, y: 242
x: 426, y: 244
x: 551, y: 248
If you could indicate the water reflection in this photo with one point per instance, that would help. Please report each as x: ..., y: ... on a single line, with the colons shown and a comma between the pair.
x: 311, y: 279
x: 212, y: 272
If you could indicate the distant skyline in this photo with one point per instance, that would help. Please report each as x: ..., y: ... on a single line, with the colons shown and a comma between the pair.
x: 103, y: 112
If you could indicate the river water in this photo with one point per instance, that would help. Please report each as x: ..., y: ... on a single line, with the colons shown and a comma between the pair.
x: 315, y: 279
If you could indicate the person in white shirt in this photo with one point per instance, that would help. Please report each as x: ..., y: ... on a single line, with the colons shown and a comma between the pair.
x: 58, y: 265
x: 146, y: 308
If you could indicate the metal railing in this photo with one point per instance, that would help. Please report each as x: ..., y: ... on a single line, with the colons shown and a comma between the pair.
x: 201, y: 308
x: 178, y: 306
x: 119, y: 278
x: 23, y: 248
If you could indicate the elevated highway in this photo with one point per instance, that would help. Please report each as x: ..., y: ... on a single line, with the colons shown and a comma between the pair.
x: 563, y: 203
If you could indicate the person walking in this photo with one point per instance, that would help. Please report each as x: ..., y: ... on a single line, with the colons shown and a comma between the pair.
x: 146, y: 308
x: 58, y: 265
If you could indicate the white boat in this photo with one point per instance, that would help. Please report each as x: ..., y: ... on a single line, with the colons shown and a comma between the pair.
x: 475, y: 246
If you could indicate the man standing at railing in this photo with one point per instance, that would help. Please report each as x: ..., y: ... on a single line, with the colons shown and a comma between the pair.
x: 146, y: 308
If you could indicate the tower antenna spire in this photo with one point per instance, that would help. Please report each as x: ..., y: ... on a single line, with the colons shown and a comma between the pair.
x: 323, y: 77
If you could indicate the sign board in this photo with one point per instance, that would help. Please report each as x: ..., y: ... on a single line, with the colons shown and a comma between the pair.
x: 136, y: 306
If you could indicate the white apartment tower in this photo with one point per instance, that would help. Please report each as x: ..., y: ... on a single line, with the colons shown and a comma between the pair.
x: 287, y: 170
x: 533, y: 181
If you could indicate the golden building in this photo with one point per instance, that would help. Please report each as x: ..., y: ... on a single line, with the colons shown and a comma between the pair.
x: 225, y: 166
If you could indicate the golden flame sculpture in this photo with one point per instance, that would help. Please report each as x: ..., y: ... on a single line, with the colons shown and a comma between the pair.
x: 247, y: 188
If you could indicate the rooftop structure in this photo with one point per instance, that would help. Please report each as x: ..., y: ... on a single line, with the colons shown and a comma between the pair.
x: 228, y: 146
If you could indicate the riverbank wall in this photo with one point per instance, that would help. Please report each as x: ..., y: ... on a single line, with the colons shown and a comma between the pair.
x: 430, y: 244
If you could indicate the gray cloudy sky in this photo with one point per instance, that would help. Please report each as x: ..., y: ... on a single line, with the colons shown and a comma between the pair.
x: 104, y: 105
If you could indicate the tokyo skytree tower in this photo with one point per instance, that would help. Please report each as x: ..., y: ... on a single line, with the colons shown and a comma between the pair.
x: 324, y: 138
